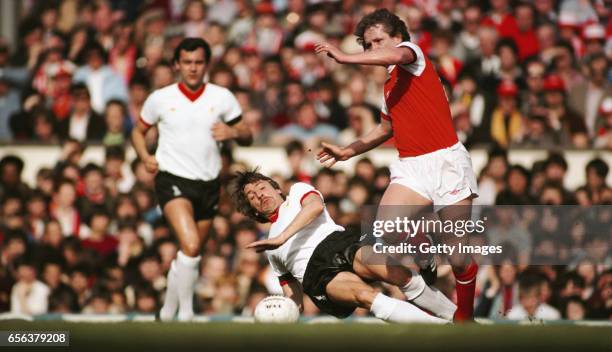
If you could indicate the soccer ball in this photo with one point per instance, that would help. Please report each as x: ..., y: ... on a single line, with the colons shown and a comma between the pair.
x: 276, y: 309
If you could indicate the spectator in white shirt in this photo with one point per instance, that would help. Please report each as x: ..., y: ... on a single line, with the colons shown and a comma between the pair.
x: 28, y: 296
x: 530, y: 304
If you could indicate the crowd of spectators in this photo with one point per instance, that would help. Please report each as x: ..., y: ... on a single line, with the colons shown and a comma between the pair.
x: 90, y: 238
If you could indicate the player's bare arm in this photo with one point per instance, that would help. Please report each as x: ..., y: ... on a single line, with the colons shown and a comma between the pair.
x: 239, y: 132
x: 293, y: 289
x: 140, y: 145
x: 330, y: 154
x: 312, y: 207
x: 383, y: 56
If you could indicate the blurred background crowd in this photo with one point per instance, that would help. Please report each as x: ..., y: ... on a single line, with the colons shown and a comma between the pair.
x: 90, y: 238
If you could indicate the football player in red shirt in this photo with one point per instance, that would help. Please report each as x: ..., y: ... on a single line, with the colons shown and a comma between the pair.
x: 434, y: 168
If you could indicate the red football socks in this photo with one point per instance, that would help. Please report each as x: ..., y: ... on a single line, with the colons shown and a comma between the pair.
x: 465, y: 285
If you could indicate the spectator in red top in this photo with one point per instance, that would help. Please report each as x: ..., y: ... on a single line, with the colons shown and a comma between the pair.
x: 122, y: 56
x: 414, y: 19
x: 99, y: 240
x: 525, y: 38
x: 502, y: 19
x: 62, y: 81
x: 449, y: 67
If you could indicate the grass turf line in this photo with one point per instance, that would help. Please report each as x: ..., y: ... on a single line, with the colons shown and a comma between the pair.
x: 320, y: 337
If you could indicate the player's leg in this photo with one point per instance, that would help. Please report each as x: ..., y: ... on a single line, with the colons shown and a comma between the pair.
x: 401, y: 199
x: 464, y: 267
x: 171, y: 300
x: 347, y: 288
x: 410, y: 283
x: 180, y: 215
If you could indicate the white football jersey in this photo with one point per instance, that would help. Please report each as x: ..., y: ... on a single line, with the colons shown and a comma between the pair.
x: 186, y: 147
x: 293, y: 256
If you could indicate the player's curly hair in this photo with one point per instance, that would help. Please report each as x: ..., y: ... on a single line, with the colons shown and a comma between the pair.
x: 392, y: 24
x: 239, y: 181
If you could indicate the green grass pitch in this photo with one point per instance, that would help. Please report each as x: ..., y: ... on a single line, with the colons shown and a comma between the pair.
x: 344, y: 337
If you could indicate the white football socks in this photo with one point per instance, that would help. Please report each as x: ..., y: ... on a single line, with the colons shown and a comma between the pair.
x: 187, y: 271
x: 396, y: 311
x: 170, y: 306
x: 428, y: 298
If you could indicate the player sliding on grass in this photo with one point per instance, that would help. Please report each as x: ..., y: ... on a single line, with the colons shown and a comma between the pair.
x: 310, y: 253
x: 433, y: 168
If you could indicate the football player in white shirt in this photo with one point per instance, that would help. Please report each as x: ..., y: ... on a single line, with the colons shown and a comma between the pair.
x: 192, y: 118
x: 311, y: 254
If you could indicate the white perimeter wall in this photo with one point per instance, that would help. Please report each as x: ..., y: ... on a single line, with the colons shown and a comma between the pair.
x: 271, y: 160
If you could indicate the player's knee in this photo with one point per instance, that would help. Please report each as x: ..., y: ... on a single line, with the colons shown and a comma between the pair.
x: 365, y: 297
x: 191, y: 249
x: 398, y: 275
x: 459, y: 261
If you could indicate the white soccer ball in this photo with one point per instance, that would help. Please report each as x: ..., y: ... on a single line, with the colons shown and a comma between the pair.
x: 276, y: 309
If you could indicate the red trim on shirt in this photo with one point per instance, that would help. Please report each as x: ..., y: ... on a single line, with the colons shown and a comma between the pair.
x: 145, y: 122
x: 286, y: 279
x: 191, y: 95
x: 274, y: 216
x: 385, y: 116
x: 306, y: 195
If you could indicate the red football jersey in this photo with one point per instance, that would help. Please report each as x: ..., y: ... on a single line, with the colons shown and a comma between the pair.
x: 416, y: 104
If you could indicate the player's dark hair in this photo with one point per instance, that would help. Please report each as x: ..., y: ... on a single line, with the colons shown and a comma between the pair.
x: 192, y: 44
x: 391, y: 23
x: 239, y: 182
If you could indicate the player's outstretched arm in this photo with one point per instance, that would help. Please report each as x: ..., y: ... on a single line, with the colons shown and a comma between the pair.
x: 312, y: 207
x: 239, y: 132
x: 380, y: 57
x: 140, y: 145
x: 293, y: 289
x: 330, y: 154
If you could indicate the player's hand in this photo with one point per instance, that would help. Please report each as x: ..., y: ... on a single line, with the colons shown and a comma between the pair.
x: 331, y: 154
x: 151, y: 164
x: 223, y: 132
x: 266, y: 245
x: 331, y: 51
